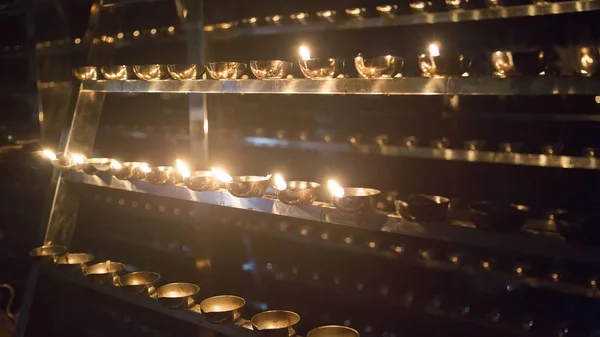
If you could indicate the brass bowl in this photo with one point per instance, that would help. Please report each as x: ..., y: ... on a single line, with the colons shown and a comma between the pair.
x: 139, y: 282
x: 378, y: 67
x: 162, y: 175
x: 150, y: 72
x: 506, y: 62
x: 270, y: 69
x: 248, y: 186
x: 419, y: 6
x: 119, y: 72
x: 321, y: 68
x: 387, y: 11
x: 64, y: 161
x: 95, y: 165
x: 88, y: 73
x: 301, y: 18
x: 274, y: 19
x: 47, y: 253
x: 106, y: 272
x: 422, y: 207
x: 185, y: 72
x: 222, y: 309
x: 275, y: 323
x: 327, y: 15
x: 177, y: 295
x: 298, y: 193
x: 130, y: 170
x: 356, y: 13
x: 249, y: 21
x: 226, y: 70
x: 202, y: 181
x: 333, y: 331
x: 357, y: 199
x: 75, y: 262
x: 444, y: 65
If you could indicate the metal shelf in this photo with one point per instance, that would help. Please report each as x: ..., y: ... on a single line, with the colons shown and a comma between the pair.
x: 192, y: 315
x: 538, y: 85
x: 412, y: 19
x: 381, y: 223
x: 524, y: 159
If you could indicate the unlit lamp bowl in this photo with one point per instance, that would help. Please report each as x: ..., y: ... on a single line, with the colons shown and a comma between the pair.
x: 321, y: 68
x: 117, y: 72
x: 226, y: 70
x: 150, y: 72
x: 270, y: 69
x: 248, y: 186
x: 88, y: 73
x: 184, y: 72
x: 378, y: 67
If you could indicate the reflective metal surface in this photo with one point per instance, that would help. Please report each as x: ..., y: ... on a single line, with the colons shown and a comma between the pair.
x: 489, y: 85
x: 139, y: 282
x: 270, y: 69
x: 321, y: 68
x: 86, y: 73
x: 177, y: 295
x: 505, y: 62
x: 387, y: 11
x: 421, y: 207
x: 226, y: 70
x: 119, y: 72
x: 95, y: 165
x: 248, y: 186
x: 47, y: 253
x: 298, y: 193
x: 105, y: 272
x: 185, y: 71
x: 75, y: 262
x: 202, y: 181
x: 444, y: 65
x: 356, y: 13
x: 357, y: 200
x: 129, y: 170
x: 301, y: 17
x: 276, y: 323
x: 222, y: 309
x: 333, y: 331
x: 378, y: 67
x: 327, y: 15
x: 161, y: 175
x: 150, y: 72
x: 498, y: 217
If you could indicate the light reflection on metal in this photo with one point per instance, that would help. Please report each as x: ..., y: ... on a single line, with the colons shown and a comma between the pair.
x: 335, y: 188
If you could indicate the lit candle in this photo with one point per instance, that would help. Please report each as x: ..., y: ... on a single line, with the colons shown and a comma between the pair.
x: 304, y: 53
x: 221, y: 175
x: 335, y: 188
x: 280, y: 183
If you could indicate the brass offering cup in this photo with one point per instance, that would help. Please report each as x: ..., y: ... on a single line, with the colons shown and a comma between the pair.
x: 202, y: 181
x: 270, y: 69
x: 129, y: 170
x: 378, y: 67
x: 301, y: 18
x: 118, y: 72
x: 248, y: 186
x: 356, y: 13
x: 357, y: 200
x: 163, y: 175
x: 222, y: 309
x: 88, y: 73
x: 333, y: 331
x: 75, y: 262
x: 47, y: 253
x: 185, y: 72
x: 321, y: 68
x: 421, y: 207
x: 105, y: 272
x: 327, y: 15
x: 226, y: 70
x: 177, y: 295
x: 139, y: 282
x: 587, y: 59
x: 150, y: 72
x: 94, y: 165
x: 387, y: 11
x: 298, y: 193
x: 275, y: 323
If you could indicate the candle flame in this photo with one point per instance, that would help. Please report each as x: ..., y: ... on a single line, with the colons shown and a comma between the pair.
x: 304, y: 53
x: 115, y: 165
x: 221, y: 175
x: 182, y: 168
x: 78, y: 158
x: 279, y: 182
x: 145, y: 168
x: 335, y: 188
x: 49, y: 154
x: 434, y: 50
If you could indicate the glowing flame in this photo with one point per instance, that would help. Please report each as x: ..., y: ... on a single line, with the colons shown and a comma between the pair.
x: 336, y: 189
x: 49, y: 154
x: 78, y: 158
x: 115, y: 165
x: 279, y: 182
x: 145, y: 168
x: 182, y: 168
x: 221, y: 175
x: 304, y: 53
x: 434, y: 50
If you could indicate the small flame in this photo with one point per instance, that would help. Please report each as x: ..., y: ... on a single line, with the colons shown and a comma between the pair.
x: 280, y: 183
x: 304, y: 53
x: 115, y: 165
x: 78, y: 158
x: 221, y: 175
x: 336, y: 189
x: 434, y: 50
x: 49, y: 154
x: 182, y: 168
x: 145, y: 168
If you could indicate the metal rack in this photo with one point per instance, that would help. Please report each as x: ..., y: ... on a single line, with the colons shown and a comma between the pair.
x: 62, y: 211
